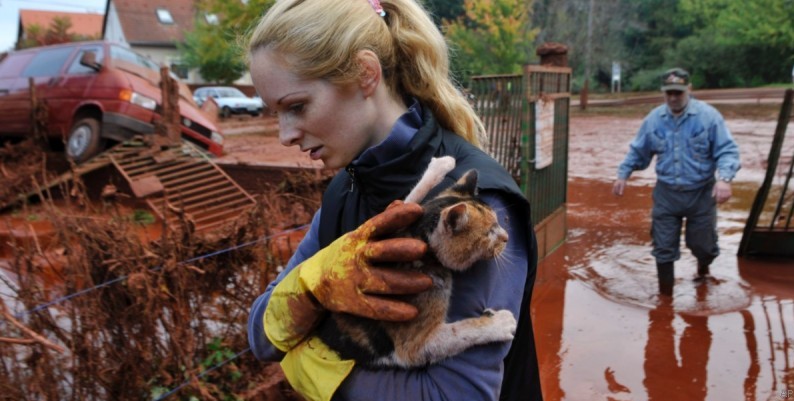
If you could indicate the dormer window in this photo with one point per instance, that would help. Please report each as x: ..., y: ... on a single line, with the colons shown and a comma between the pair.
x: 212, y: 19
x: 164, y: 16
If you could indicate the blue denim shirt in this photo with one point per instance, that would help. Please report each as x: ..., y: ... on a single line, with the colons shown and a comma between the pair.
x: 689, y: 148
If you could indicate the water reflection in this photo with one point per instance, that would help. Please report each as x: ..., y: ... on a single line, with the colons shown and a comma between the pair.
x: 751, y: 380
x: 770, y: 338
x: 683, y: 375
x: 603, y: 332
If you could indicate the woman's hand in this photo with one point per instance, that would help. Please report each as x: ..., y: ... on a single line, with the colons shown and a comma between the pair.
x: 342, y: 277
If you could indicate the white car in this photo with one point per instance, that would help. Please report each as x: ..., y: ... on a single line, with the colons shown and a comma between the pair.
x: 229, y: 99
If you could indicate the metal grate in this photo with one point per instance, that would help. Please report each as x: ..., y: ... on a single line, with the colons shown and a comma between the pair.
x: 184, y: 181
x: 499, y: 102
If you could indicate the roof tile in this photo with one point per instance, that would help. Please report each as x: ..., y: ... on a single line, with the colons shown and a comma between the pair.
x: 140, y: 24
x: 82, y: 23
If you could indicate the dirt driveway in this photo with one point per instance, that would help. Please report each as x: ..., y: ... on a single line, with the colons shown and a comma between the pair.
x: 254, y: 141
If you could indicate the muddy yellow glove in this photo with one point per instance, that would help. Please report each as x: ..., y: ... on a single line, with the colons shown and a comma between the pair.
x: 341, y: 278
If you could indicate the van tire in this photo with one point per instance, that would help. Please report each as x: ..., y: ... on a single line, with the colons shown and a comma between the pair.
x: 85, y: 140
x: 226, y: 112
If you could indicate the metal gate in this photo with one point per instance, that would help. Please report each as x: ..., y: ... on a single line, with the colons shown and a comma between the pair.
x: 509, y: 106
x: 769, y: 230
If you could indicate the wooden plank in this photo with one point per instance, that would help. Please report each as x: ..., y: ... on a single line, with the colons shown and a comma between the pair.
x: 545, y: 68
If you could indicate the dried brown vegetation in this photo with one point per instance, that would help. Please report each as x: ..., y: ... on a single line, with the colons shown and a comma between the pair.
x: 21, y: 166
x: 155, y: 315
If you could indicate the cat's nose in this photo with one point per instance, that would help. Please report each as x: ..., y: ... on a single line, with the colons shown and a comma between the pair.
x: 501, y: 235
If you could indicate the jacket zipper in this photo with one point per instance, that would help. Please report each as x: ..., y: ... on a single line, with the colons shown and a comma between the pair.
x: 352, y: 173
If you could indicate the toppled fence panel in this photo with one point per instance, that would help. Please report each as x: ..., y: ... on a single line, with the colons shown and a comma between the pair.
x: 769, y: 231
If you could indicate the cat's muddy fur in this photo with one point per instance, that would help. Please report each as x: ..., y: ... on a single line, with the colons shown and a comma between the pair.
x: 459, y: 230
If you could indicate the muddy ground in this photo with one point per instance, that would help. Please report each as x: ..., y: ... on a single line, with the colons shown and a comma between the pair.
x: 602, y: 331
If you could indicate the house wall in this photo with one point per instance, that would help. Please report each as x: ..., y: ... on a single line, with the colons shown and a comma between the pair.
x: 113, y: 31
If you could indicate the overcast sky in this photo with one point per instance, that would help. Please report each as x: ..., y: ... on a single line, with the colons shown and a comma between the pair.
x: 9, y: 14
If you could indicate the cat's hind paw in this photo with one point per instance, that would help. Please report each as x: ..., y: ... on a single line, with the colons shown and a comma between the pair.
x: 442, y: 165
x: 502, y: 325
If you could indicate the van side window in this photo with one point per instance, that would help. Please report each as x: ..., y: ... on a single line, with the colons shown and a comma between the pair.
x: 77, y: 68
x: 12, y: 65
x: 48, y: 62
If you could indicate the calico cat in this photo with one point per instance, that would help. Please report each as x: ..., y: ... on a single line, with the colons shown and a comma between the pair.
x: 459, y: 230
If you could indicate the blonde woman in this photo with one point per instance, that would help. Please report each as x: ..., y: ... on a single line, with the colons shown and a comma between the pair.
x: 364, y: 86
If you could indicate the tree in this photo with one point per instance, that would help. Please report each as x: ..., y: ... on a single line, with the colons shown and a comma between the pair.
x: 216, y: 45
x: 494, y: 37
x: 442, y: 10
x: 57, y: 32
x: 764, y: 29
x: 566, y: 21
x: 215, y: 53
x: 747, y: 43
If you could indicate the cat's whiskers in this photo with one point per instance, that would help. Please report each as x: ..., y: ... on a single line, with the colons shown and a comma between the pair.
x: 505, y: 257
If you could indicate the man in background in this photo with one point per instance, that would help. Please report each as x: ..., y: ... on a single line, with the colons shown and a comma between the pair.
x: 691, y: 144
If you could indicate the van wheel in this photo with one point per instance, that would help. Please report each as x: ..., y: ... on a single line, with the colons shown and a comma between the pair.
x: 226, y: 112
x: 85, y: 140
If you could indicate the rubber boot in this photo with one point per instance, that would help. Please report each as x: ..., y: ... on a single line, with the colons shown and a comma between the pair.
x: 703, y: 269
x: 666, y: 278
x: 703, y: 273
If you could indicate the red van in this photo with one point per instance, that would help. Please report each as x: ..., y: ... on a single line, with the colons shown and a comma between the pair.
x: 95, y: 92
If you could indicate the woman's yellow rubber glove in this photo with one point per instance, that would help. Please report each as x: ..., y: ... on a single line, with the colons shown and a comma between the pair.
x: 341, y: 278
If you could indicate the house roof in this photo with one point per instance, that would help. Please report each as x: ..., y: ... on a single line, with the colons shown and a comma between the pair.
x: 141, y: 25
x: 82, y: 23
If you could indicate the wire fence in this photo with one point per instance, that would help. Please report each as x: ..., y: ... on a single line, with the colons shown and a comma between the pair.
x: 122, y: 278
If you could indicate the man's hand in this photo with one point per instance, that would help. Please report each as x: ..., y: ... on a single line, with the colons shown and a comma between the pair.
x: 618, y: 187
x: 721, y: 191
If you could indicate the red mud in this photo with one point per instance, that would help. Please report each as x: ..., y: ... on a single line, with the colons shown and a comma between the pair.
x: 255, y: 142
x: 602, y: 331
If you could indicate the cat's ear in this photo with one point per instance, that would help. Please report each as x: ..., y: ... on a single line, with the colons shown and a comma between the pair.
x: 456, y: 217
x: 467, y: 184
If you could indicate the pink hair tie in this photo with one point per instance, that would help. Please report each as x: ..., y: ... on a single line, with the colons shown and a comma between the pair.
x: 377, y: 7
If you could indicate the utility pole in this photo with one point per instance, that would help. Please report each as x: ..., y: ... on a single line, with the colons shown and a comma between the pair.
x: 588, y: 58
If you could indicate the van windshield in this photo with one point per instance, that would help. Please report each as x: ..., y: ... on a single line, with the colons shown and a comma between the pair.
x: 119, y: 53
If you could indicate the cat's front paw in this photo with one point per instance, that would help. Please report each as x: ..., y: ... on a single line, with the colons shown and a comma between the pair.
x: 502, y: 325
x: 443, y: 164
